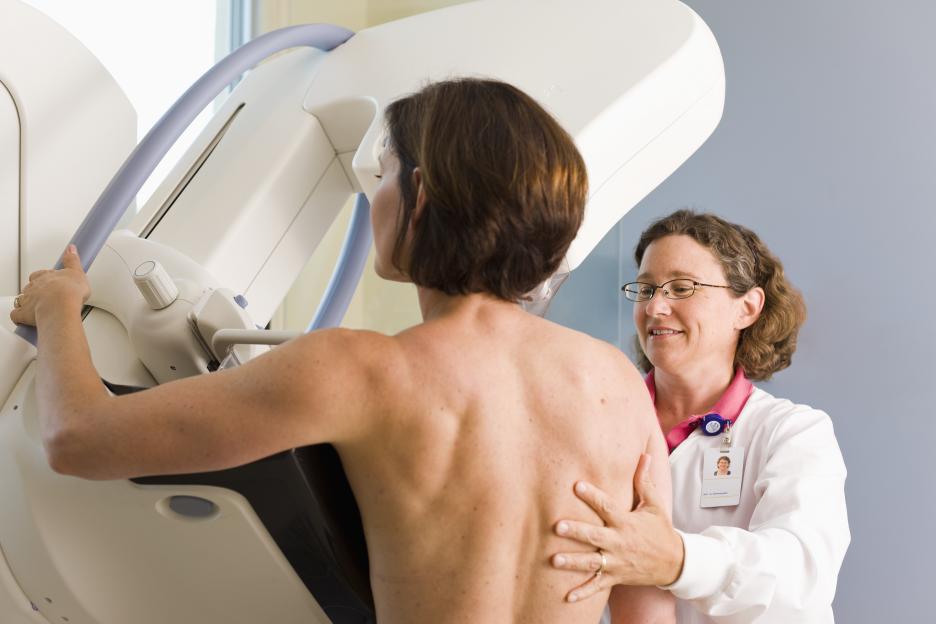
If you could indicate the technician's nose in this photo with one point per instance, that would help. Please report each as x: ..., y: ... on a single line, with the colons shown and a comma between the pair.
x: 659, y: 305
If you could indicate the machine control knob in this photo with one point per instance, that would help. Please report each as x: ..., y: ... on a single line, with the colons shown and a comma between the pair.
x: 155, y: 284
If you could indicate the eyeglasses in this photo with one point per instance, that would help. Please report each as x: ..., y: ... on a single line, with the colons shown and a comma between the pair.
x: 673, y: 289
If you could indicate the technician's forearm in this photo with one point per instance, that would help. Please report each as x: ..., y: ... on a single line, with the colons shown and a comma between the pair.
x: 68, y: 388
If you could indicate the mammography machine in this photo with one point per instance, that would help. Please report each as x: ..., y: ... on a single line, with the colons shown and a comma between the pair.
x: 183, y: 289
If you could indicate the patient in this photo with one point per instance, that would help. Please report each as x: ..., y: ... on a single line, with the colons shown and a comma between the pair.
x: 439, y: 427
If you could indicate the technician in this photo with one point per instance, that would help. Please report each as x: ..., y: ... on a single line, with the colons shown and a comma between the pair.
x: 713, y: 311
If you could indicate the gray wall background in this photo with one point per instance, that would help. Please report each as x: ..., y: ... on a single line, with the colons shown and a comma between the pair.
x: 827, y: 150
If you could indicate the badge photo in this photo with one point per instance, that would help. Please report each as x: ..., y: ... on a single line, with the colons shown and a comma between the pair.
x: 722, y: 470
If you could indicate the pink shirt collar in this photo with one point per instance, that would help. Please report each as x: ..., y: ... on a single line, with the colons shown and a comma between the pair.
x: 729, y: 406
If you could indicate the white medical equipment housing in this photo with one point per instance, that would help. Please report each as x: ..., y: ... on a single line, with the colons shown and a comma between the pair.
x: 639, y: 84
x: 59, y: 109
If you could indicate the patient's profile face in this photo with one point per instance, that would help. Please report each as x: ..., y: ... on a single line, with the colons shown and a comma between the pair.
x: 385, y: 215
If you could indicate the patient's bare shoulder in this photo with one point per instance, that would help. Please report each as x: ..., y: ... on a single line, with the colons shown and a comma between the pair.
x: 346, y: 374
x: 605, y: 371
x: 599, y: 356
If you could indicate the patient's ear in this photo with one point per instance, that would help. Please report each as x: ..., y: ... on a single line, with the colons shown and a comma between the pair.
x: 420, y: 195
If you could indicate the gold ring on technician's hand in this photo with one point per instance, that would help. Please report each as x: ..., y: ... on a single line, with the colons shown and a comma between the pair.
x: 16, y: 301
x: 604, y: 564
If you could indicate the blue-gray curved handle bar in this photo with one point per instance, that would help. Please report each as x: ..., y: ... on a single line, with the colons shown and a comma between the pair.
x: 347, y: 274
x: 120, y: 192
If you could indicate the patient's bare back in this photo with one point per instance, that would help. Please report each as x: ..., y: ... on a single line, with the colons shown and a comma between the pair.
x: 484, y: 420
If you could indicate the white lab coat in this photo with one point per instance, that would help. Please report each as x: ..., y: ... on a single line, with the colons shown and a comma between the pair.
x: 775, y: 557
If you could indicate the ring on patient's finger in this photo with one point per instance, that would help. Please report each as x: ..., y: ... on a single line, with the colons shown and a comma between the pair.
x: 604, y: 563
x: 16, y: 301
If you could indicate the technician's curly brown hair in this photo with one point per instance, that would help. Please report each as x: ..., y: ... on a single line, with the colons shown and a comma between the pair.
x: 505, y: 188
x: 767, y: 346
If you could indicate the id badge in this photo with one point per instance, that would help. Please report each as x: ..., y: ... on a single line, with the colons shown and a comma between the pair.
x: 721, y: 477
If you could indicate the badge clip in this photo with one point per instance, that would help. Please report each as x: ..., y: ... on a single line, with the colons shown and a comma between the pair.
x: 726, y: 439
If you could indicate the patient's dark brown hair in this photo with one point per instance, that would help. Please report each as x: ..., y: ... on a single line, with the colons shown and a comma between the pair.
x: 505, y: 188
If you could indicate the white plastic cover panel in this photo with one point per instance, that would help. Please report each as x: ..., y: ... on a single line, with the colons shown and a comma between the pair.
x: 639, y: 84
x: 76, y: 128
x: 258, y: 206
x: 9, y: 194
